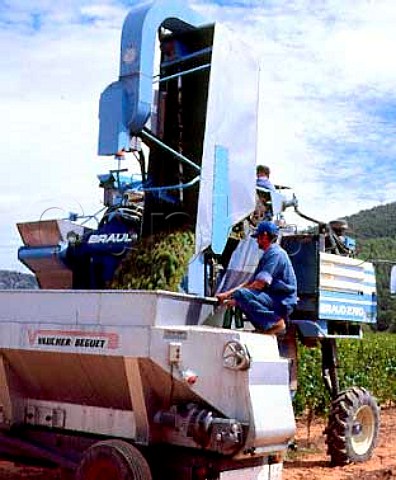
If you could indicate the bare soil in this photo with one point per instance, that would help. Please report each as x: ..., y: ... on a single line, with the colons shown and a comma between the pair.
x: 309, y: 462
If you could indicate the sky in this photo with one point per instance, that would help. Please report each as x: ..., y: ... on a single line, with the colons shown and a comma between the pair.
x: 327, y: 116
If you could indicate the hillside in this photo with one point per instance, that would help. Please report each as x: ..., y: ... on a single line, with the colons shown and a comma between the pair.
x: 11, y: 280
x: 375, y: 231
x: 376, y: 222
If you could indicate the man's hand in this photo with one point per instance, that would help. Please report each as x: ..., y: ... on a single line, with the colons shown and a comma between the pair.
x: 222, y: 297
x: 225, y: 299
x: 258, y: 285
x: 229, y: 303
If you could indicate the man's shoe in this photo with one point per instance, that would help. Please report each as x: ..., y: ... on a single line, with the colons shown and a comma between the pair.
x: 277, y: 328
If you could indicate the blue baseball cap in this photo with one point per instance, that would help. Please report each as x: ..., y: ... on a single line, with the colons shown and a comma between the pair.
x: 266, y: 227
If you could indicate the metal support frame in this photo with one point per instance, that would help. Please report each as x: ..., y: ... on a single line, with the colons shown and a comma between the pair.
x: 181, y: 74
x: 329, y: 366
x: 146, y: 133
x: 190, y: 56
x: 179, y: 186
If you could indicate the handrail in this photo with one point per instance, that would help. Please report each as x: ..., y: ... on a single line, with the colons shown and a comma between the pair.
x: 180, y: 186
x: 146, y: 133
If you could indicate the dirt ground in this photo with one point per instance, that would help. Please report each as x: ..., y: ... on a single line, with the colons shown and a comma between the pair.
x: 309, y: 462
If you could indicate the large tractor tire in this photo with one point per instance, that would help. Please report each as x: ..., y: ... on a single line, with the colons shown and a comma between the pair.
x: 113, y: 460
x: 352, y: 431
x: 66, y: 474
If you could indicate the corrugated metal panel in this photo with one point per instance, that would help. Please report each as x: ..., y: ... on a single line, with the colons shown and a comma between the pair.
x: 346, y: 274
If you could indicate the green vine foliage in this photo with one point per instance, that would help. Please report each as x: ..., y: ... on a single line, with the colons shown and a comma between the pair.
x: 311, y: 394
x: 368, y: 363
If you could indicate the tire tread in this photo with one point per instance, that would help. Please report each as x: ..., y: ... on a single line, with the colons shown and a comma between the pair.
x: 134, y: 465
x: 339, y: 425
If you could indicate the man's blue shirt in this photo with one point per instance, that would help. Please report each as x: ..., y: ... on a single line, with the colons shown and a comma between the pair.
x: 276, y: 270
x: 263, y: 182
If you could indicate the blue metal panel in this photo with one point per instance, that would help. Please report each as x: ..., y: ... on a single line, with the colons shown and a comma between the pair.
x: 347, y: 306
x: 113, y: 114
x: 125, y: 105
x: 221, y: 191
x: 196, y: 276
x: 303, y: 251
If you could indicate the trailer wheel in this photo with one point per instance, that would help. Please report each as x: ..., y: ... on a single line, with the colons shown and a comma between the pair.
x: 353, y: 427
x: 67, y: 474
x: 113, y: 460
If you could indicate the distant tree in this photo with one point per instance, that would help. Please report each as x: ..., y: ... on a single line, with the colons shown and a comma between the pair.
x: 376, y: 222
x: 16, y: 280
x: 379, y: 251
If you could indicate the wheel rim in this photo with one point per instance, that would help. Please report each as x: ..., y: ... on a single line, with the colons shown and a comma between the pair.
x: 363, y: 430
x: 102, y: 470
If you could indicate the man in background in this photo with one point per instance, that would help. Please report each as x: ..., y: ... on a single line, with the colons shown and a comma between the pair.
x: 263, y: 181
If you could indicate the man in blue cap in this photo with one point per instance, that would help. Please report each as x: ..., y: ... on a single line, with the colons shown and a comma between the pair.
x: 262, y: 178
x: 268, y: 298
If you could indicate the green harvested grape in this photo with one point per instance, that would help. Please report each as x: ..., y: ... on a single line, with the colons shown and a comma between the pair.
x: 156, y: 262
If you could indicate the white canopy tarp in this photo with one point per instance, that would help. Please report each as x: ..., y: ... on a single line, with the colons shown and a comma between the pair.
x: 231, y: 127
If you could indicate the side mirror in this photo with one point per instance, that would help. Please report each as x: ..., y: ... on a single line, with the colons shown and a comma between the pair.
x: 393, y: 281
